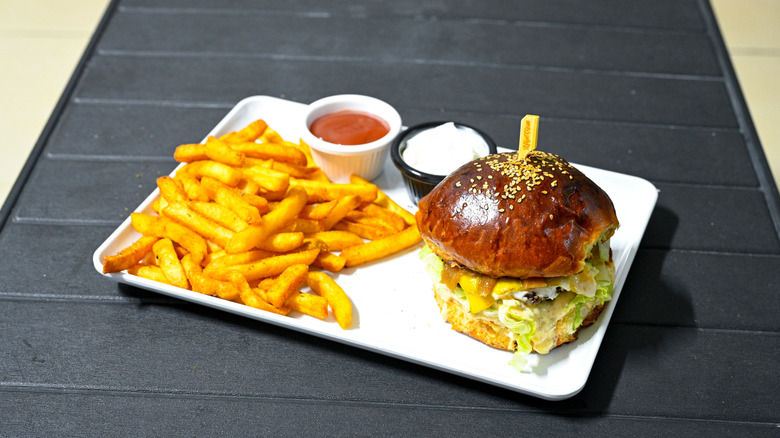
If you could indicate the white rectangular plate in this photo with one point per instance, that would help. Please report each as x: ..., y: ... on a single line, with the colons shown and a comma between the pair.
x: 393, y: 307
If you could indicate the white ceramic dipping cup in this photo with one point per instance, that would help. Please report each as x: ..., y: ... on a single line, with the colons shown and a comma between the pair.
x: 339, y: 161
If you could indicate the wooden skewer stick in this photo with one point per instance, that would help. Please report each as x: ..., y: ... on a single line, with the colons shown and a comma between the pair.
x: 529, y: 131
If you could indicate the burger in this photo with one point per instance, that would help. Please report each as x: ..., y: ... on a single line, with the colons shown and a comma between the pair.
x: 518, y: 248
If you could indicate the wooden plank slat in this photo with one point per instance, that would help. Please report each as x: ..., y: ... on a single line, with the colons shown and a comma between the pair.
x: 424, y: 41
x: 494, y: 90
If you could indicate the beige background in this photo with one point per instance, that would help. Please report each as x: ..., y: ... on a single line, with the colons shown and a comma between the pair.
x: 41, y: 42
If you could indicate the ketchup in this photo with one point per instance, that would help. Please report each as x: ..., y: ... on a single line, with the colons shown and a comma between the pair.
x: 349, y: 127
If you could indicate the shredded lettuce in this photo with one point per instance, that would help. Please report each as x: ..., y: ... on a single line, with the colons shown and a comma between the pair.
x: 433, y: 263
x: 603, y: 294
x: 521, y: 323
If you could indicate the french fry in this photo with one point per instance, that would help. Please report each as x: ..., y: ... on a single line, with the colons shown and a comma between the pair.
x: 294, y: 170
x: 214, y: 187
x: 217, y: 150
x: 238, y: 205
x: 270, y: 182
x: 337, y: 240
x: 149, y: 272
x: 187, y: 153
x: 271, y: 136
x: 220, y: 214
x: 192, y: 187
x: 207, y: 228
x: 206, y: 285
x: 268, y: 267
x: 380, y: 248
x: 308, y: 304
x: 272, y: 222
x: 330, y: 261
x: 319, y: 191
x: 308, y: 226
x: 168, y: 261
x: 338, y: 301
x: 227, y: 260
x: 383, y: 200
x: 282, y: 242
x: 361, y: 217
x: 162, y: 227
x: 219, y: 171
x: 129, y: 256
x: 342, y: 208
x: 289, y: 282
x: 275, y: 151
x: 390, y: 217
x: 250, y: 297
x: 365, y: 231
x: 171, y: 190
x: 251, y: 132
x: 317, y: 211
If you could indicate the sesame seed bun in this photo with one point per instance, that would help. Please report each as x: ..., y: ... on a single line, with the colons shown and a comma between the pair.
x: 505, y: 216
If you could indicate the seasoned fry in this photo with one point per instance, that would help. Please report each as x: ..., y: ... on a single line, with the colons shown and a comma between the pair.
x: 171, y: 190
x: 168, y: 261
x: 187, y: 153
x: 317, y: 211
x: 270, y: 182
x: 390, y: 217
x: 220, y: 172
x: 220, y: 214
x: 282, y: 242
x: 250, y: 296
x: 289, y: 282
x: 338, y: 301
x: 319, y: 191
x: 361, y: 217
x: 308, y: 304
x: 275, y: 151
x: 330, y: 261
x: 228, y: 260
x: 337, y: 240
x: 129, y: 256
x: 238, y: 204
x: 205, y: 227
x: 272, y: 222
x: 206, y: 285
x: 214, y: 187
x: 217, y: 150
x: 294, y: 170
x: 365, y: 231
x: 192, y: 187
x: 149, y: 225
x: 377, y: 249
x: 308, y: 226
x: 149, y: 272
x: 384, y: 201
x: 343, y: 207
x: 268, y: 267
x: 251, y: 132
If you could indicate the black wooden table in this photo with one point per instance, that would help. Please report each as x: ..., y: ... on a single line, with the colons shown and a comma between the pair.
x: 641, y: 88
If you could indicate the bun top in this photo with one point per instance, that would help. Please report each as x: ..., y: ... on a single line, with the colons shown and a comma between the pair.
x: 504, y: 216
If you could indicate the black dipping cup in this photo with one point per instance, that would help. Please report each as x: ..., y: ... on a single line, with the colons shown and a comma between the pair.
x: 418, y: 183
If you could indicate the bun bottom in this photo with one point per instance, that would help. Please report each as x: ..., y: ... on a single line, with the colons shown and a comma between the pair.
x: 498, y: 335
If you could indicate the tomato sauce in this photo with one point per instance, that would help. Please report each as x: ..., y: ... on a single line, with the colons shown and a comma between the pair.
x: 349, y: 127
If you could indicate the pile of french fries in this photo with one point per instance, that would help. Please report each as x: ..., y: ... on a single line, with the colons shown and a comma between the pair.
x: 250, y: 218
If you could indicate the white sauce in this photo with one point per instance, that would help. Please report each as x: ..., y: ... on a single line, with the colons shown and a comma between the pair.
x: 442, y: 149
